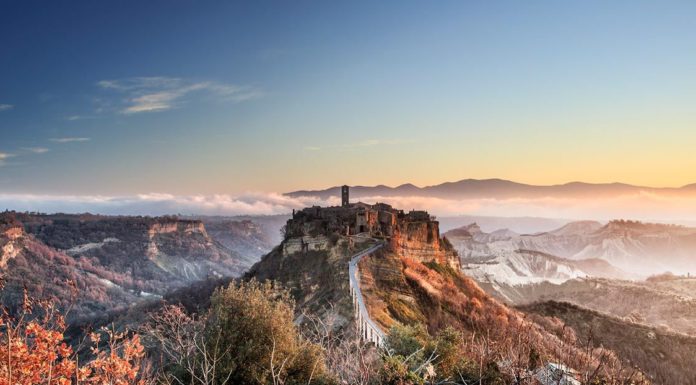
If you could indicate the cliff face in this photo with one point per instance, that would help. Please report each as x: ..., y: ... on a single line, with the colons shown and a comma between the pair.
x: 177, y: 226
x: 183, y: 249
x: 249, y: 239
x: 305, y: 243
x: 421, y: 241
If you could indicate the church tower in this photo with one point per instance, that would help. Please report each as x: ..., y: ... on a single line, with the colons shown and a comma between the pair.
x: 344, y: 196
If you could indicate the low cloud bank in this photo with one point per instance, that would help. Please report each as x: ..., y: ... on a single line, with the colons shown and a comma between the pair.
x: 158, y: 204
x: 639, y: 206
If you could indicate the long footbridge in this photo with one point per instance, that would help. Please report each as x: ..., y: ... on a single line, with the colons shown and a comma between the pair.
x: 367, y: 328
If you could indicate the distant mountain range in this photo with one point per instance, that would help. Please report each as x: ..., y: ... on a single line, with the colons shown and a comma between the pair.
x: 497, y: 188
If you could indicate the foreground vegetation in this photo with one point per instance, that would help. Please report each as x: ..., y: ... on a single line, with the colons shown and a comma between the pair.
x: 666, y: 357
x: 249, y: 335
x: 33, y: 351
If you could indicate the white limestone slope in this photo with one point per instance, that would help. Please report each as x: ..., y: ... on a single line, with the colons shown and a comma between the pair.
x: 508, y: 258
x: 520, y: 268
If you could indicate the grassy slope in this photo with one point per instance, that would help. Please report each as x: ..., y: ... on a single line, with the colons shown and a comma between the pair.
x: 316, y: 279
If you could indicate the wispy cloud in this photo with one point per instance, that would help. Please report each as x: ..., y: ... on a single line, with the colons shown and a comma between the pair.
x: 153, y: 94
x: 4, y: 156
x: 69, y: 140
x: 5, y: 107
x: 73, y: 118
x: 361, y: 144
x: 36, y: 150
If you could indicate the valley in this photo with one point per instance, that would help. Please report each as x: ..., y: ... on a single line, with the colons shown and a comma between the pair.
x: 599, y: 267
x: 104, y: 263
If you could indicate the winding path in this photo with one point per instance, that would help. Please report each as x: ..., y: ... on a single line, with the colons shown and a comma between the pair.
x: 367, y: 328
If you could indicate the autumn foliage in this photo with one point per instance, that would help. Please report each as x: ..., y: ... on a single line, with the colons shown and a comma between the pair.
x: 33, y: 351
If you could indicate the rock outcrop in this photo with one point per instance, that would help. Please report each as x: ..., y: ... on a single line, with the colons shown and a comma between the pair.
x: 10, y: 232
x: 420, y: 240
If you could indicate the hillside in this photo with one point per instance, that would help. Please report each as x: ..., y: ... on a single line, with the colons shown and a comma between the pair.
x: 318, y: 278
x: 47, y: 273
x: 654, y: 304
x: 668, y: 358
x: 504, y: 258
x: 414, y: 280
x: 634, y: 248
x: 117, y: 261
x: 246, y: 238
x: 403, y: 290
x: 149, y: 254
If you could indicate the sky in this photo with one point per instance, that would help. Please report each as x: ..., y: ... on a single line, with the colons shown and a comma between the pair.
x: 133, y: 99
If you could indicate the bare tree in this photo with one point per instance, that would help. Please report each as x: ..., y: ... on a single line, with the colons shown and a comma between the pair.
x: 351, y: 360
x: 180, y: 339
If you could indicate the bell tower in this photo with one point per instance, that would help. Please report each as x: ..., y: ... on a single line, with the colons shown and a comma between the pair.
x: 345, y: 197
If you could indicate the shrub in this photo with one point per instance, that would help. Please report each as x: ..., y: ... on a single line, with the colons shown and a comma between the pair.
x: 395, y: 371
x: 33, y: 351
x: 247, y: 337
x: 430, y: 359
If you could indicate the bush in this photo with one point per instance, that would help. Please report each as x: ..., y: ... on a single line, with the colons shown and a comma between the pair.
x: 395, y: 371
x: 247, y: 337
x: 425, y: 357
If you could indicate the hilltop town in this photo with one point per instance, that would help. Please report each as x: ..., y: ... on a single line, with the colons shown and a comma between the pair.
x: 414, y: 234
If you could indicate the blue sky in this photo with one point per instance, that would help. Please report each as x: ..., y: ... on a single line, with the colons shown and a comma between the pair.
x: 183, y: 97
